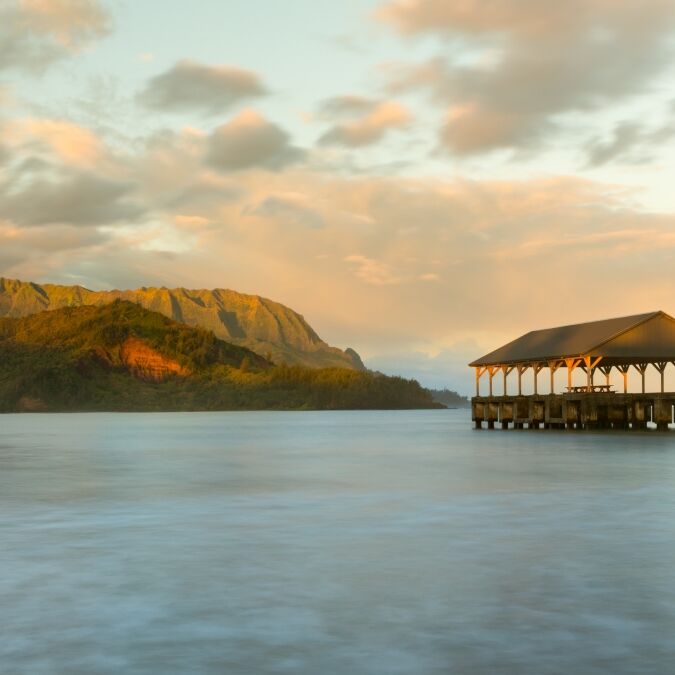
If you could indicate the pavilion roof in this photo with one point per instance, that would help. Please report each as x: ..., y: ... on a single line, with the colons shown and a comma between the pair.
x: 628, y: 339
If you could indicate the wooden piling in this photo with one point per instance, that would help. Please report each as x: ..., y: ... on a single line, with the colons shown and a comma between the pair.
x: 606, y: 410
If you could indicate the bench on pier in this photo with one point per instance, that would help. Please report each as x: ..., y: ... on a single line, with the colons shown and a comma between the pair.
x: 593, y: 388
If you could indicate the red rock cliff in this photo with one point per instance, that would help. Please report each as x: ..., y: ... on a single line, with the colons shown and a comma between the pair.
x: 148, y: 364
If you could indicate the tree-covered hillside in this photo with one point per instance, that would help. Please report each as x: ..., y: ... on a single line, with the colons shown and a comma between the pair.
x: 450, y: 398
x: 121, y: 356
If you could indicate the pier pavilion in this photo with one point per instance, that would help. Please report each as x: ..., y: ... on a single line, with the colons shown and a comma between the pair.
x: 623, y: 343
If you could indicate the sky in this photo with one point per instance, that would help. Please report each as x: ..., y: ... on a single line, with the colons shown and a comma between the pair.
x: 423, y: 180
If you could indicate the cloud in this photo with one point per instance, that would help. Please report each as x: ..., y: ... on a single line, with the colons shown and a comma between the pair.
x: 291, y: 208
x: 471, y: 16
x: 166, y: 163
x: 374, y: 120
x: 406, y: 261
x: 204, y: 194
x: 429, y: 276
x: 250, y: 141
x: 30, y: 252
x: 347, y: 104
x: 191, y: 86
x: 190, y: 221
x: 475, y: 128
x: 6, y: 98
x: 69, y: 197
x: 629, y: 142
x: 36, y: 33
x: 41, y: 240
x: 386, y: 264
x: 60, y: 173
x: 68, y: 142
x: 510, y: 68
x: 371, y: 271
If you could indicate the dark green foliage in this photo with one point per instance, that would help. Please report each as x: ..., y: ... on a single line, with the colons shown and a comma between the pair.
x: 72, y: 359
x: 449, y: 398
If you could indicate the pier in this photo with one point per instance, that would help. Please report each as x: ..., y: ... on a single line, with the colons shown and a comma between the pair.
x: 598, y: 347
x: 574, y: 411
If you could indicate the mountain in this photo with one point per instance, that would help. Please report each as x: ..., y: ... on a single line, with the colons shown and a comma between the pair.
x: 121, y: 356
x: 262, y: 325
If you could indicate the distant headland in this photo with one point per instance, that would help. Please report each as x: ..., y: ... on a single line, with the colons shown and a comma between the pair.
x: 265, y: 326
x: 121, y: 356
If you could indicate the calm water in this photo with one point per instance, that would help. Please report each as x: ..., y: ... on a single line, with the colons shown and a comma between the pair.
x: 387, y: 542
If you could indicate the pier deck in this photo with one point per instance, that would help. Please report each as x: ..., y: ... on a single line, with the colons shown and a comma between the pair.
x: 574, y: 411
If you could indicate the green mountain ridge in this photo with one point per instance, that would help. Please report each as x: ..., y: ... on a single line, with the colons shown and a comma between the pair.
x: 121, y: 356
x: 251, y: 321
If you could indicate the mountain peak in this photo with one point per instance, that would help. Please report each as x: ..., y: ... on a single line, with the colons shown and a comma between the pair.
x: 260, y: 324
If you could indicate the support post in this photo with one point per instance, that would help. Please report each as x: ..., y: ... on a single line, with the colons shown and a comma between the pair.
x: 521, y: 370
x: 606, y: 371
x: 571, y: 364
x: 624, y: 371
x: 661, y: 367
x: 479, y: 373
x: 492, y: 371
x: 641, y: 368
x: 553, y: 366
x: 590, y: 364
x: 506, y: 370
x: 536, y: 367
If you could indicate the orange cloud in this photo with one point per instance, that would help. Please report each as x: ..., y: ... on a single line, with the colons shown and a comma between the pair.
x: 379, y: 118
x: 69, y: 22
x: 69, y: 142
x: 36, y: 33
x: 372, y: 271
x: 182, y: 220
x: 402, y: 261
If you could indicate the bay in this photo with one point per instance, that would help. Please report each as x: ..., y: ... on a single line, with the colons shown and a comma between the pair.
x: 332, y: 542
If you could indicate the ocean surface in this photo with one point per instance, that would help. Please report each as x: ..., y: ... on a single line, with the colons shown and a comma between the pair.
x: 332, y: 542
